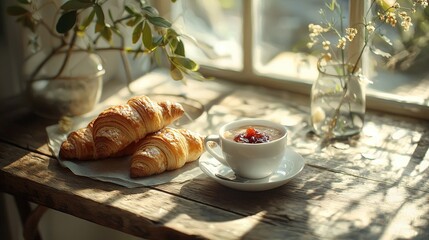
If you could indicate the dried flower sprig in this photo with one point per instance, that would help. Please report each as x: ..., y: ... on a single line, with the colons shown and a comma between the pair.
x: 348, y: 53
x: 387, y: 13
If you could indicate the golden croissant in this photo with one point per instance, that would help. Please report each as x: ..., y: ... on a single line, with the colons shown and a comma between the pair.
x: 115, y: 129
x: 165, y: 150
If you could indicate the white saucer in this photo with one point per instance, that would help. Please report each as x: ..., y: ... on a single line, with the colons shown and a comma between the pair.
x: 292, y: 164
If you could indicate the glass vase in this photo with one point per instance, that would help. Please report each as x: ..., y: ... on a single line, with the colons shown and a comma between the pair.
x: 337, y: 101
x: 66, y: 85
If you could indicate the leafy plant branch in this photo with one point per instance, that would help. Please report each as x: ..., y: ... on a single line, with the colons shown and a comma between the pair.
x: 149, y: 32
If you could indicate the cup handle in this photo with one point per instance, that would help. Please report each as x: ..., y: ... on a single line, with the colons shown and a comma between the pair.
x: 215, y: 139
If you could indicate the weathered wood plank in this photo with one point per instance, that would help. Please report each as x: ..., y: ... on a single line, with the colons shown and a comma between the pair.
x: 318, y: 203
x: 18, y: 125
x: 142, y: 212
x: 391, y: 149
x: 373, y: 187
x: 323, y: 204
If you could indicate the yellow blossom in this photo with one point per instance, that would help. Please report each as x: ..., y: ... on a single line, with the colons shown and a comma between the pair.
x: 341, y: 43
x: 391, y: 18
x: 327, y: 57
x: 351, y: 33
x: 370, y: 28
x: 406, y: 23
x: 380, y: 16
x: 389, y: 12
x: 326, y: 45
x: 423, y: 3
x: 315, y: 29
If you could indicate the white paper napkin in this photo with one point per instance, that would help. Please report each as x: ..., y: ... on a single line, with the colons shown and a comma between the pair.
x: 114, y: 170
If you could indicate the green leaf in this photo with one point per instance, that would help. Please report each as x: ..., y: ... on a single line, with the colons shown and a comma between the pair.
x: 100, y: 14
x: 99, y: 28
x: 147, y: 36
x: 175, y: 73
x: 171, y: 33
x: 134, y: 21
x: 111, y: 16
x: 157, y: 40
x: 75, y: 5
x: 66, y: 21
x: 197, y: 76
x: 171, y: 38
x: 16, y: 11
x: 137, y: 32
x: 107, y: 34
x: 151, y: 11
x: 173, y: 43
x: 130, y: 23
x: 129, y: 10
x: 331, y: 6
x: 185, y: 62
x: 180, y: 48
x: 158, y: 21
x: 87, y: 20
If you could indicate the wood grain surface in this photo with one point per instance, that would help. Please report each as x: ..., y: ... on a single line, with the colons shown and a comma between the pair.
x: 371, y: 187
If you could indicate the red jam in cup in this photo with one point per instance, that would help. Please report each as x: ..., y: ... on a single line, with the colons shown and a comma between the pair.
x: 252, y: 136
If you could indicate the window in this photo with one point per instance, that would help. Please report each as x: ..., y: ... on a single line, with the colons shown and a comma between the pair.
x: 264, y: 42
x: 215, y: 30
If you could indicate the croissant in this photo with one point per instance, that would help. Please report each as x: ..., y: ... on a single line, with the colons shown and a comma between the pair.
x: 114, y: 131
x: 165, y: 150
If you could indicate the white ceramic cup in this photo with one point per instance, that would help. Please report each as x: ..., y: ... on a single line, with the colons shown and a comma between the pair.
x: 257, y: 160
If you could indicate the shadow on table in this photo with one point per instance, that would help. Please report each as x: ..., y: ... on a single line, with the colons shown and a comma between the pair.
x: 318, y: 203
x: 321, y: 204
x: 335, y: 196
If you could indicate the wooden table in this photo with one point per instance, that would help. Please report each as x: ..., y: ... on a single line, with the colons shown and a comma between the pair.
x: 372, y: 187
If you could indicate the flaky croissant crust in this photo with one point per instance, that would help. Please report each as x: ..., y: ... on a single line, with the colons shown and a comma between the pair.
x: 118, y: 127
x: 165, y: 150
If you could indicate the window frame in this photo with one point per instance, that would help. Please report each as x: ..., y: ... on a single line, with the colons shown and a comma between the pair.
x: 375, y: 100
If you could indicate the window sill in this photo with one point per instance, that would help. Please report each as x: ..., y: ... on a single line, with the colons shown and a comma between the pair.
x: 416, y: 107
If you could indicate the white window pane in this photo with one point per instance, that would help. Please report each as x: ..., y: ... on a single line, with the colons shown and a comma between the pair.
x: 405, y: 75
x: 217, y: 27
x: 281, y: 35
